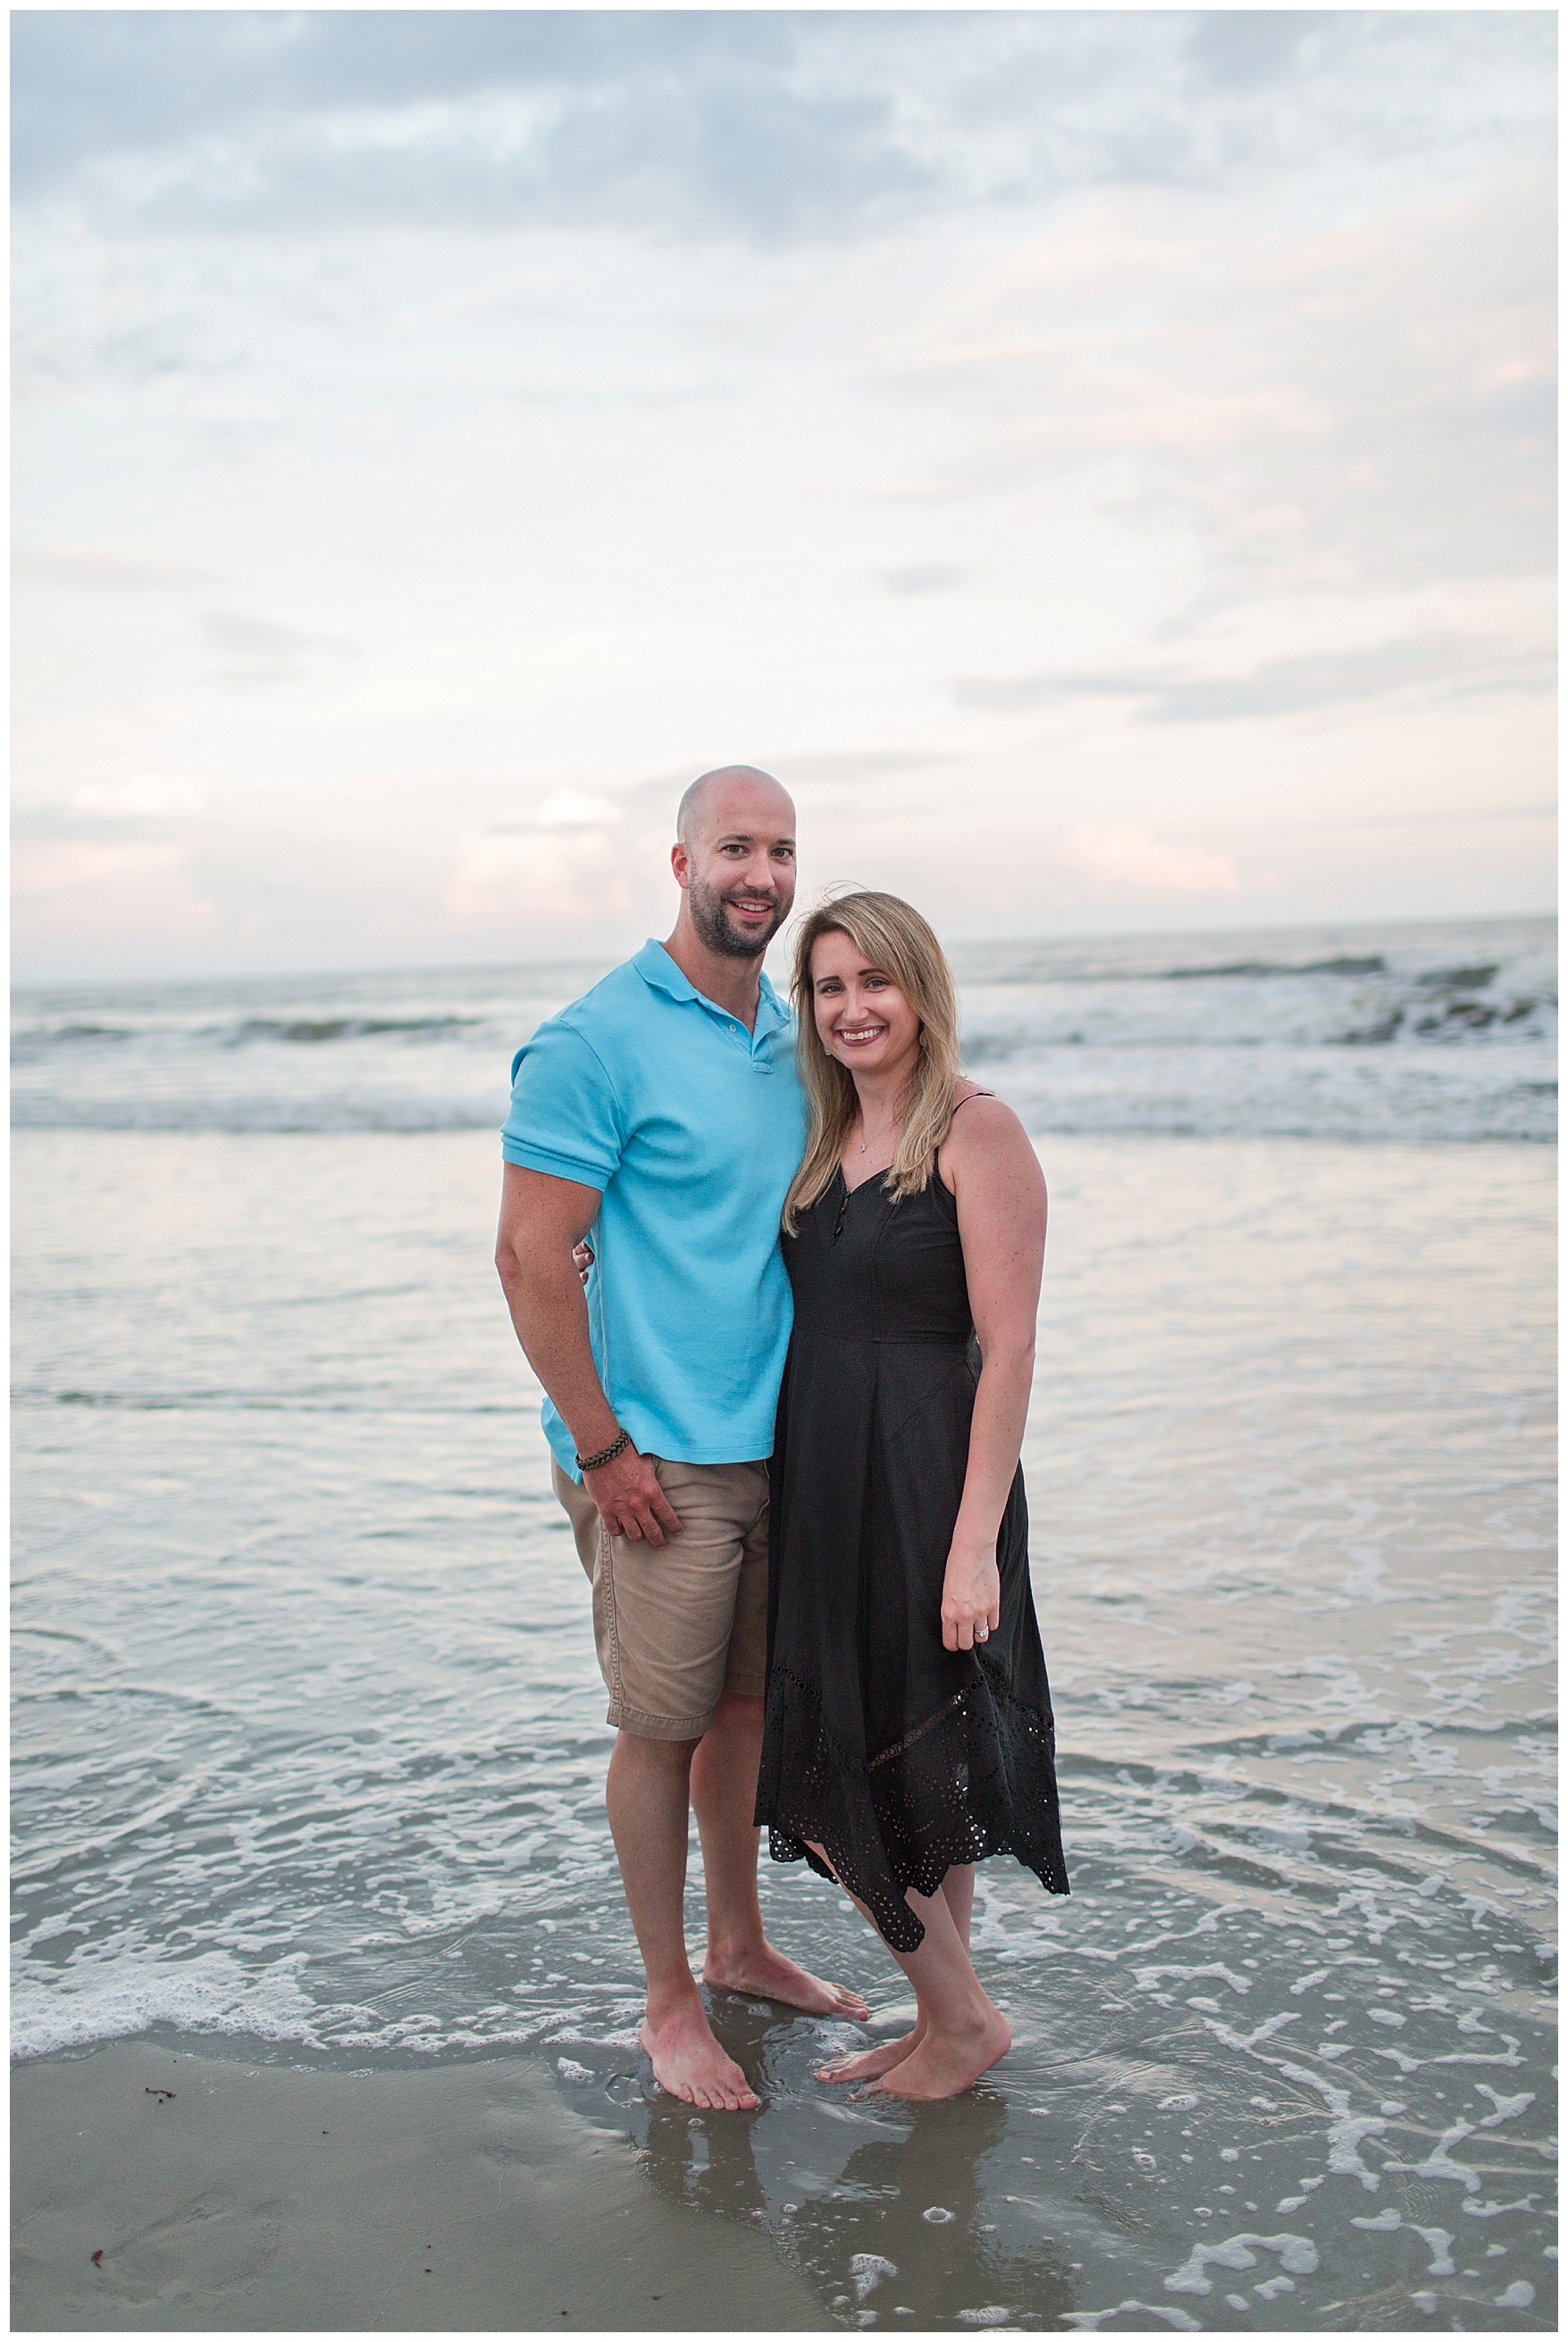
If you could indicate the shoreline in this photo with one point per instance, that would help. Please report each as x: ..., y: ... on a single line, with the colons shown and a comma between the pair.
x: 265, y: 2198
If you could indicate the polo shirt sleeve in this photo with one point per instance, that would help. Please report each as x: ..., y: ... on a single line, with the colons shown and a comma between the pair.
x: 566, y: 1118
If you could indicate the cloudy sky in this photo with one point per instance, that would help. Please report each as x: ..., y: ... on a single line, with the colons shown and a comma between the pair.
x: 1101, y: 461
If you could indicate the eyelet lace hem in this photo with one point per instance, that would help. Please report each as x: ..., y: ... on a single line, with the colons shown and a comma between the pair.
x: 976, y: 1778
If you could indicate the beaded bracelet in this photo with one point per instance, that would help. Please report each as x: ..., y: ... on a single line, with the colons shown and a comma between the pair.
x: 605, y: 1454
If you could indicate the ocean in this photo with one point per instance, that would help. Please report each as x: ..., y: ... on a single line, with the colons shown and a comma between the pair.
x: 310, y: 1740
x: 1432, y: 1031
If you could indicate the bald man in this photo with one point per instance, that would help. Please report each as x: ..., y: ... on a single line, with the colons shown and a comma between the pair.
x: 660, y: 1116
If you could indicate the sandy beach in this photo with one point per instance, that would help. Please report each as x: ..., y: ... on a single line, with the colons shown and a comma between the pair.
x: 262, y: 2199
x: 310, y: 1743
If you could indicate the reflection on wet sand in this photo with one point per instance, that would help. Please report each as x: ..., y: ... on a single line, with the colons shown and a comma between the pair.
x: 896, y: 2229
x: 941, y: 2270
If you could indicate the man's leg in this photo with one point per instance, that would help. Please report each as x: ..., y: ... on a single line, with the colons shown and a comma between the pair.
x: 665, y: 1626
x: 647, y: 1795
x: 723, y: 1790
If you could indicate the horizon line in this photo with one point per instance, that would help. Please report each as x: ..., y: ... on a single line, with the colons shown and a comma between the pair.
x: 566, y: 958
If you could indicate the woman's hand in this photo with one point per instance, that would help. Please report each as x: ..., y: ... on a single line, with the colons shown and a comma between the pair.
x: 971, y: 1595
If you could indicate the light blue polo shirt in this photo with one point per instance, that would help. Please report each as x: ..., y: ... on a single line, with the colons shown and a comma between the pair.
x: 691, y: 1128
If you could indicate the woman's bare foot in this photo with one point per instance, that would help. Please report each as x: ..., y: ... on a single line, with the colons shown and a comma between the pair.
x: 767, y: 1974
x: 689, y: 2063
x: 946, y: 2064
x: 866, y: 2065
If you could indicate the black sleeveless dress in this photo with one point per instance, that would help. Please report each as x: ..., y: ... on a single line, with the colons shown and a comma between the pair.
x: 898, y: 1756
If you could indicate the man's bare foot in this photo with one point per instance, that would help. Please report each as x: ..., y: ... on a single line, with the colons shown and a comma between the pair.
x: 866, y: 2065
x: 689, y: 2063
x: 769, y: 1976
x: 946, y: 2064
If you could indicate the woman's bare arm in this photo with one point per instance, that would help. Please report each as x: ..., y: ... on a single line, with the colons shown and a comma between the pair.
x: 999, y: 1189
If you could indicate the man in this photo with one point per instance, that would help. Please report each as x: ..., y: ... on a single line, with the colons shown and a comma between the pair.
x: 661, y: 1112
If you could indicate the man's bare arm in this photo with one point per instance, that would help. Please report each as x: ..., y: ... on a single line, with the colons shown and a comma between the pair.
x: 542, y: 1219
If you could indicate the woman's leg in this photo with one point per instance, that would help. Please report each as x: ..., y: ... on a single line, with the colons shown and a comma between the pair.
x: 965, y: 2033
x: 952, y: 2009
x: 866, y: 2065
x: 958, y: 1894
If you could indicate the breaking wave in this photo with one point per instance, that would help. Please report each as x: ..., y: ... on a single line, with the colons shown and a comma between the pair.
x: 1443, y: 1031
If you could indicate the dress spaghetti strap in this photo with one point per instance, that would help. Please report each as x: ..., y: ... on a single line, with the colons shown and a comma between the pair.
x: 957, y: 1109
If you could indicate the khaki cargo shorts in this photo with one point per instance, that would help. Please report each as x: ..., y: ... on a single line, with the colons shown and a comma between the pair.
x: 678, y: 1624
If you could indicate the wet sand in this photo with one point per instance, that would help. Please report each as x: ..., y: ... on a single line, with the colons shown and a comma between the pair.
x: 266, y: 2199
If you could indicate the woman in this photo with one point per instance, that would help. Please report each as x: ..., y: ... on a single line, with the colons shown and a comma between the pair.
x: 909, y: 1729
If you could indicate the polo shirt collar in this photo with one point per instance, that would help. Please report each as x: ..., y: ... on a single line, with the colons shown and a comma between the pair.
x: 656, y: 968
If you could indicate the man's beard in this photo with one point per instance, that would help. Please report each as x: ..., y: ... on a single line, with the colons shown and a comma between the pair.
x: 707, y: 908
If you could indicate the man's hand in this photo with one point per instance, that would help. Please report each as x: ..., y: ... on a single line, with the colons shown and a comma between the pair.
x: 630, y: 1502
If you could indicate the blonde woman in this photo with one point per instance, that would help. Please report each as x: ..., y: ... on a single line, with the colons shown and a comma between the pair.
x: 909, y: 1729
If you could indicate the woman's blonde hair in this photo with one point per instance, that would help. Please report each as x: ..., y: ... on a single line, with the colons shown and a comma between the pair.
x: 893, y: 937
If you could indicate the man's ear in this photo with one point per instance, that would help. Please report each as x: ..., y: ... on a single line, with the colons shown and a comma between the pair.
x: 681, y: 863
